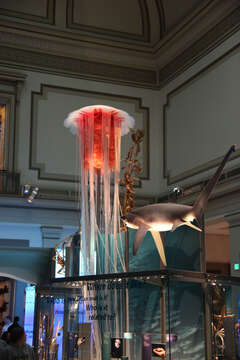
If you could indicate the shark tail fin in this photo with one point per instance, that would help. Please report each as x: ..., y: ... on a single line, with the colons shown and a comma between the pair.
x: 202, y: 200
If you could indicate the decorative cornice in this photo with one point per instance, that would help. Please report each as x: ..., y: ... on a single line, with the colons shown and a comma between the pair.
x: 12, y: 76
x: 76, y: 67
x: 209, y: 41
x: 143, y: 64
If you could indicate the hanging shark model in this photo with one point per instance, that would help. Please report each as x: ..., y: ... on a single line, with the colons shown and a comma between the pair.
x: 169, y: 216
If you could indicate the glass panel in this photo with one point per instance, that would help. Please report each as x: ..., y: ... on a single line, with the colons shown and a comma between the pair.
x: 121, y: 318
x: 58, y: 328
x: 225, y: 327
x: 182, y: 248
x: 186, y: 318
x: 51, y: 317
x: 182, y: 314
x: 29, y: 313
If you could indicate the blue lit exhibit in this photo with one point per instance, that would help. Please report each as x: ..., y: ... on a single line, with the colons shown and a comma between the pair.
x: 30, y: 293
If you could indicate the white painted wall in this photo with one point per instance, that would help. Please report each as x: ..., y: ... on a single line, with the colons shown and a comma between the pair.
x: 202, y: 116
x: 202, y: 122
x: 55, y: 146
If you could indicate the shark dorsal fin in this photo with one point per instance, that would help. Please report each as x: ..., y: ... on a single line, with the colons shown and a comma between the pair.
x: 202, y: 200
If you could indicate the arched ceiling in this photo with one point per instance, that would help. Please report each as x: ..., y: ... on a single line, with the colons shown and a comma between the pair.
x: 176, y: 11
x: 140, y: 42
x: 138, y: 21
x: 123, y: 20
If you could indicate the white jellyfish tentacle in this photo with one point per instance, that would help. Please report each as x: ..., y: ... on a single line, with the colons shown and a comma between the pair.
x: 110, y: 214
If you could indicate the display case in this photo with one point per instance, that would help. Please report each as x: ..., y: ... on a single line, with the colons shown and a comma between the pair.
x: 168, y: 314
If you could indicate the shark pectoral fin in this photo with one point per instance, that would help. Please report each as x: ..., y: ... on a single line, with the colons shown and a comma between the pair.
x: 188, y: 223
x: 176, y: 224
x: 159, y: 244
x: 139, y: 239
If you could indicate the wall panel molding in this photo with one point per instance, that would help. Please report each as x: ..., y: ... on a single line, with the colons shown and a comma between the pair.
x: 118, y: 35
x: 200, y: 48
x: 26, y: 59
x: 43, y: 95
x: 49, y: 18
x: 212, y: 163
x: 162, y: 19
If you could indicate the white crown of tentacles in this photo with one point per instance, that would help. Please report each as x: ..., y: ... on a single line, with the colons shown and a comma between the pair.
x: 127, y: 120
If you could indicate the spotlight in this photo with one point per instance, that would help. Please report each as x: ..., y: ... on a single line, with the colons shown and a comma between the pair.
x: 177, y: 190
x: 33, y: 195
x: 26, y: 189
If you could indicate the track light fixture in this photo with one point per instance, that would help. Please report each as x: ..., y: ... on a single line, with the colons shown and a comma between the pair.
x: 26, y: 189
x: 30, y: 191
x: 33, y: 194
x: 175, y: 192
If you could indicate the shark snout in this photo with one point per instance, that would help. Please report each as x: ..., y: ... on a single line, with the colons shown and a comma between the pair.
x: 128, y: 217
x: 129, y: 220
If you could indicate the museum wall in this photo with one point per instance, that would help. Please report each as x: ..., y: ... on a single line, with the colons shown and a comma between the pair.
x: 32, y: 234
x: 200, y: 122
x: 46, y: 152
x: 200, y: 116
x: 181, y: 121
x: 177, y: 115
